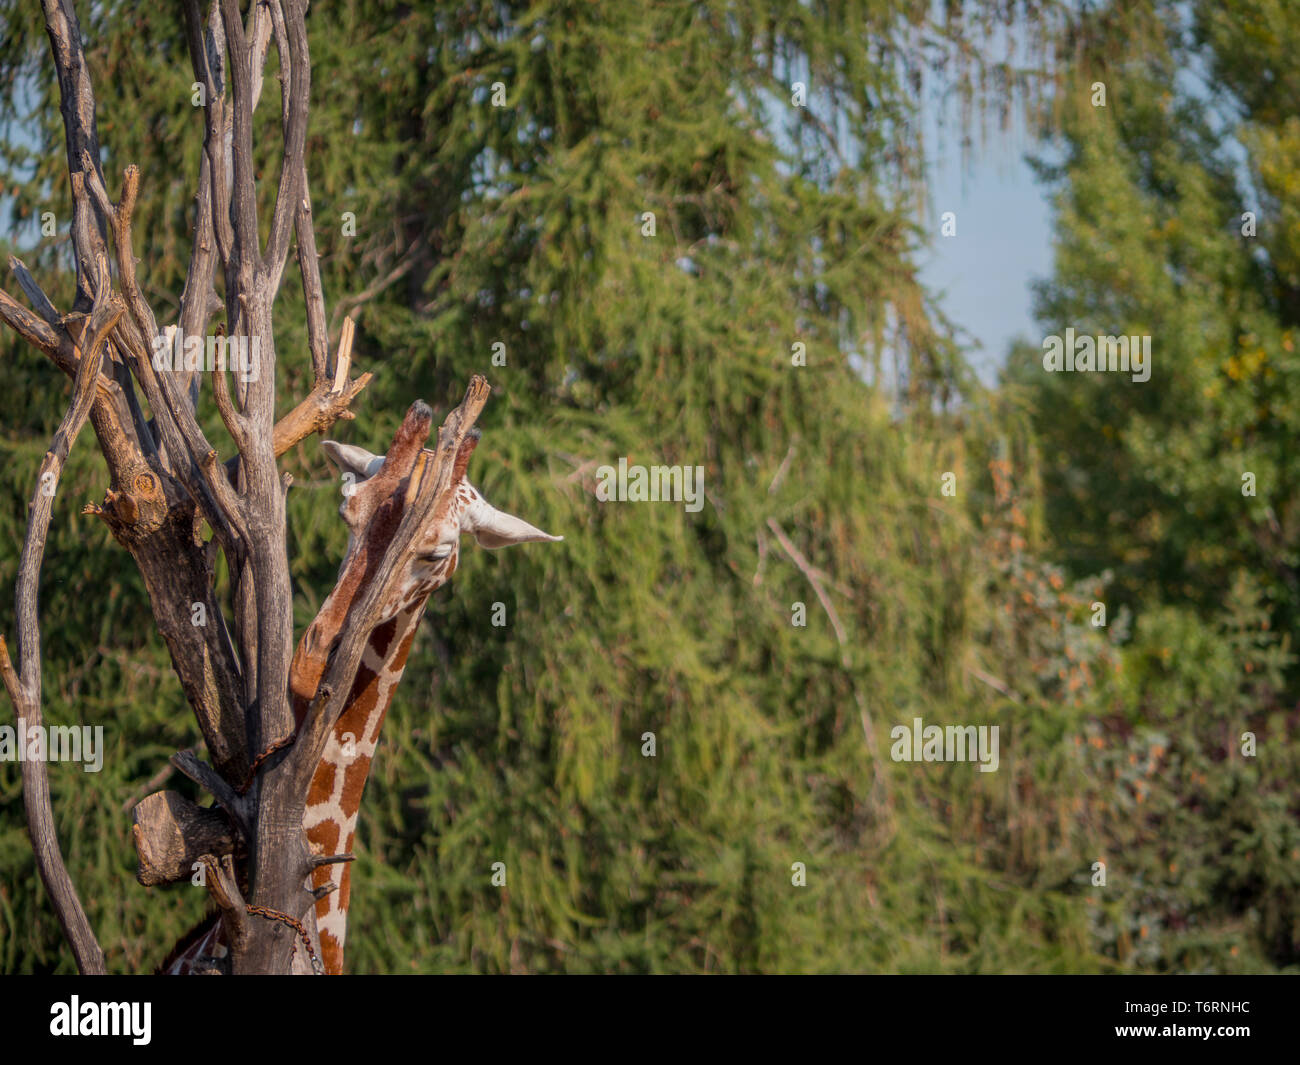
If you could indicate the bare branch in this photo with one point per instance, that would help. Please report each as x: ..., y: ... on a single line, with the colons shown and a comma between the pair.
x: 403, y: 267
x: 313, y: 293
x: 155, y: 781
x: 57, y: 344
x: 328, y: 401
x: 295, y: 98
x: 162, y: 543
x: 879, y: 783
x: 234, y: 422
x: 24, y: 685
x: 316, y: 414
x: 811, y: 573
x: 343, y: 360
x: 199, y: 298
x: 243, y: 202
x: 224, y: 888
x: 188, y: 448
x: 77, y: 103
x: 259, y: 42
x: 997, y: 685
x: 317, y: 860
x: 144, y: 437
x: 206, y: 777
x: 171, y: 834
x: 212, y: 204
x: 34, y: 293
x: 212, y: 230
x: 120, y: 216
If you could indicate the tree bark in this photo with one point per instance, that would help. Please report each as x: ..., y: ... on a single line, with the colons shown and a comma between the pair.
x: 167, y: 481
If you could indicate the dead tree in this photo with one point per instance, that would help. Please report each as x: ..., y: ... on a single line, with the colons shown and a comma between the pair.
x: 140, y: 387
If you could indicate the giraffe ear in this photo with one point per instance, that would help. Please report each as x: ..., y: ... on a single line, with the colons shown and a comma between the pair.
x: 352, y: 459
x: 495, y: 528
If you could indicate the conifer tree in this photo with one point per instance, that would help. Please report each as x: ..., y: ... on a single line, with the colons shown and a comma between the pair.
x: 683, y: 235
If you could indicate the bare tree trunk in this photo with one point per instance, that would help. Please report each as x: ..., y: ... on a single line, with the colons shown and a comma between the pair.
x: 167, y: 481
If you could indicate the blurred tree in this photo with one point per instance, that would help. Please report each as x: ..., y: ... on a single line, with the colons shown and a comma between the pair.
x: 680, y: 234
x: 1177, y: 220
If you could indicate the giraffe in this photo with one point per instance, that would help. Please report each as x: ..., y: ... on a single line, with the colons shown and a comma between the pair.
x: 377, y: 489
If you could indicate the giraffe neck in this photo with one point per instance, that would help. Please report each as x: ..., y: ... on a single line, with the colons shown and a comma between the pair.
x: 334, y: 797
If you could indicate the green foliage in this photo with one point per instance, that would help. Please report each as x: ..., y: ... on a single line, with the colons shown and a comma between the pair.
x: 1152, y: 239
x: 1206, y: 838
x: 524, y: 226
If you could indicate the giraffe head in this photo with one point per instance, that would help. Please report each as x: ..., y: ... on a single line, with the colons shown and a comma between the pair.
x: 377, y: 489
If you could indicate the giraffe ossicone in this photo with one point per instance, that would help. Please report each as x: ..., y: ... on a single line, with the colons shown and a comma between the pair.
x: 380, y: 488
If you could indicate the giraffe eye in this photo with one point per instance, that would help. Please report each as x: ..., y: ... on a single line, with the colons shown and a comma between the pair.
x: 439, y: 553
